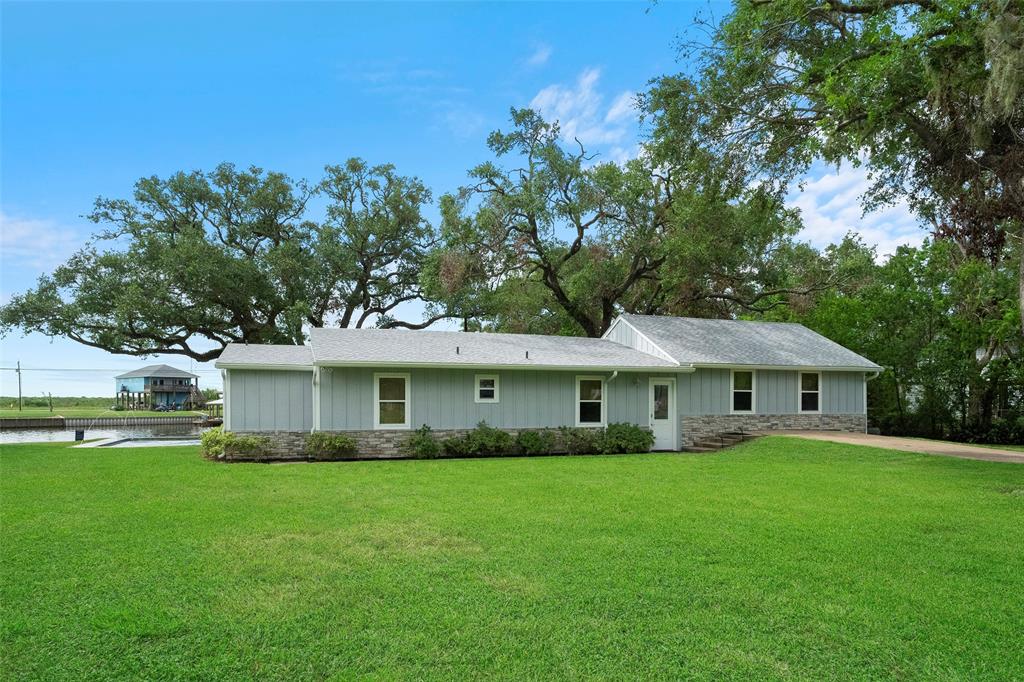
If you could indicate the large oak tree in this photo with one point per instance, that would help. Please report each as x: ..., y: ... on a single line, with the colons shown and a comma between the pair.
x: 198, y: 260
x: 928, y: 94
x: 552, y: 242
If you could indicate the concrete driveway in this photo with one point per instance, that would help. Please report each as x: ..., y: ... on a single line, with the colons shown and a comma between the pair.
x: 929, y: 447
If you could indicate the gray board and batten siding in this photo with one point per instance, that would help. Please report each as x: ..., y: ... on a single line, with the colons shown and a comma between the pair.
x: 444, y: 397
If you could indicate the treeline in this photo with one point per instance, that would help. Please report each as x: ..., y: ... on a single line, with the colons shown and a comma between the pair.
x: 546, y: 238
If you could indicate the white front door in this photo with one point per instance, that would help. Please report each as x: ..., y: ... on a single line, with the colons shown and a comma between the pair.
x: 663, y: 413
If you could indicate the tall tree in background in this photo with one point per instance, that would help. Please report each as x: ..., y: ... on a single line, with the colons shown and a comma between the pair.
x: 928, y: 94
x: 559, y: 244
x: 945, y: 329
x: 198, y: 260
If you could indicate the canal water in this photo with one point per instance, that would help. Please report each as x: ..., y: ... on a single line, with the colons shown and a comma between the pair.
x: 186, y: 432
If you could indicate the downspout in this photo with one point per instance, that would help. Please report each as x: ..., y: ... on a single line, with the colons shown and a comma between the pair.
x: 316, y: 400
x: 226, y: 422
x: 612, y: 377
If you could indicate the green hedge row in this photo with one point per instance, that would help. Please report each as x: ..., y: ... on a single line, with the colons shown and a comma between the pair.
x: 487, y: 441
x: 215, y: 443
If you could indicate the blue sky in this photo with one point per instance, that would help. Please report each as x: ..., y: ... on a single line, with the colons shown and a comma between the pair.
x: 96, y: 96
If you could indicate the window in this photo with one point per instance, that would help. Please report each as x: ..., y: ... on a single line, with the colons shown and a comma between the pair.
x: 486, y: 388
x: 810, y: 391
x: 589, y: 401
x: 391, y: 401
x: 742, y: 390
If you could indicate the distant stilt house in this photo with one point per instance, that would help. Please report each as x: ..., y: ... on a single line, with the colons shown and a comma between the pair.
x: 154, y: 385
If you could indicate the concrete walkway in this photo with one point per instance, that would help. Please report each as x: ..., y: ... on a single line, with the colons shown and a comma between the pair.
x: 929, y: 447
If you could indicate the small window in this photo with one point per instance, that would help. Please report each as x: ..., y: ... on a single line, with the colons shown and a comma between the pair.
x: 391, y: 401
x: 742, y: 391
x: 486, y: 388
x: 590, y: 401
x: 810, y: 392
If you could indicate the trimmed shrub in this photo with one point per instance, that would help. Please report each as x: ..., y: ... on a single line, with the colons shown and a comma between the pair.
x: 328, y: 446
x: 488, y: 440
x: 581, y: 441
x: 212, y: 442
x: 217, y: 443
x: 543, y: 442
x: 482, y: 441
x: 421, y: 444
x: 625, y: 438
x: 256, y: 446
x: 458, y: 446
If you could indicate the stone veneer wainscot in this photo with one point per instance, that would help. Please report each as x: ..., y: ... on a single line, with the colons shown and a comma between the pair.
x: 698, y: 427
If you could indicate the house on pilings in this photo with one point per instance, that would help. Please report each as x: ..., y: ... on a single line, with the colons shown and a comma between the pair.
x: 154, y: 385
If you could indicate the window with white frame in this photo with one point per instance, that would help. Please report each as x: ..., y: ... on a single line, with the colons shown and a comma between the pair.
x: 810, y: 391
x: 590, y: 401
x: 486, y: 388
x: 742, y: 390
x: 391, y: 401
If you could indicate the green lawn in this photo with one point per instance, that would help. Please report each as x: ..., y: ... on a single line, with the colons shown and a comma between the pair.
x: 42, y: 412
x: 782, y: 558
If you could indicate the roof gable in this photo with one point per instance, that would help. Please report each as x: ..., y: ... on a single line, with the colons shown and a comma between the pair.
x: 697, y: 341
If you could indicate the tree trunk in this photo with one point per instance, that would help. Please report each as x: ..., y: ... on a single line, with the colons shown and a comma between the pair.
x: 1020, y: 276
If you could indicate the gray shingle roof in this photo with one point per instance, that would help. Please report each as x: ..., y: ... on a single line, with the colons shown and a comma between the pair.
x: 410, y: 348
x: 737, y: 342
x: 265, y: 354
x: 162, y: 371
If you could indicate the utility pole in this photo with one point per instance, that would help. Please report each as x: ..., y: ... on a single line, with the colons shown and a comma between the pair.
x: 18, y: 370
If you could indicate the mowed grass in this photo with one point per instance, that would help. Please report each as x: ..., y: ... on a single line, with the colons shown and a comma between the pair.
x: 43, y: 412
x: 779, y: 559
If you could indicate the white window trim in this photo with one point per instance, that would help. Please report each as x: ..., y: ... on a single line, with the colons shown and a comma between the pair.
x: 376, y: 401
x: 604, y: 401
x: 753, y: 391
x: 476, y: 388
x: 800, y: 393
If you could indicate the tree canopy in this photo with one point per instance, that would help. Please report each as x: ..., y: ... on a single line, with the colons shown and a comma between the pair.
x: 198, y: 260
x: 556, y: 242
x: 928, y: 94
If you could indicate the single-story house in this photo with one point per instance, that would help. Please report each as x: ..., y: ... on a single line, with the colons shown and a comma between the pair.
x: 683, y: 378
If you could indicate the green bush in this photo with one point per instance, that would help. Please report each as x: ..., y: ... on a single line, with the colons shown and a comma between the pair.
x: 421, y: 444
x: 212, y: 442
x: 625, y: 438
x: 257, y: 446
x: 458, y: 446
x: 328, y: 446
x: 217, y: 443
x: 580, y: 441
x: 541, y: 442
x: 482, y: 441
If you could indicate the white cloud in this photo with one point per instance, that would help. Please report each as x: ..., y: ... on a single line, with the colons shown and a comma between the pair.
x: 35, y: 242
x: 623, y: 108
x: 540, y: 55
x: 580, y: 111
x: 830, y: 205
x: 462, y: 121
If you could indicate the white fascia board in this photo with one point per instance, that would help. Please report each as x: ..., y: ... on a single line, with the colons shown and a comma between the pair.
x: 493, y: 367
x: 793, y: 368
x: 271, y: 367
x: 664, y: 355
